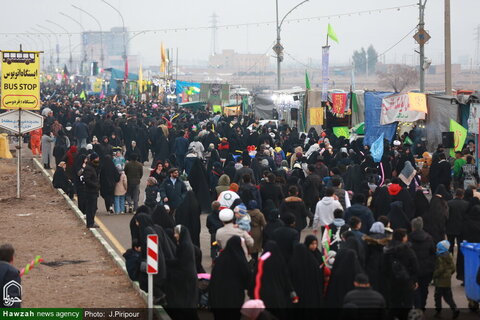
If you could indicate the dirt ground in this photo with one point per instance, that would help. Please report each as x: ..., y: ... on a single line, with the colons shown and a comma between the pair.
x: 41, y: 223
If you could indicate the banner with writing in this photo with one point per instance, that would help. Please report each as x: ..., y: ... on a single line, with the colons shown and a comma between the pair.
x: 316, y: 116
x: 396, y: 108
x: 473, y: 118
x: 339, y: 102
x: 325, y: 58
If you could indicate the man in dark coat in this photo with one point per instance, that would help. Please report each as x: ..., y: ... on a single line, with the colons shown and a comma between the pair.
x: 271, y: 191
x: 424, y: 248
x: 181, y: 148
x: 312, y: 188
x: 401, y: 272
x: 287, y: 236
x: 457, y: 208
x: 359, y: 210
x: 440, y: 173
x: 11, y: 276
x: 363, y: 302
x: 173, y: 190
x: 92, y: 187
x: 134, y: 173
x: 80, y: 132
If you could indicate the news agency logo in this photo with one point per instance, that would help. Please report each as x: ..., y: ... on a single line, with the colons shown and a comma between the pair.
x: 11, y: 293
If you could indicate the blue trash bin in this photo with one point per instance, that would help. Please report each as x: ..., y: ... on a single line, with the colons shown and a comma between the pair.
x: 471, y: 252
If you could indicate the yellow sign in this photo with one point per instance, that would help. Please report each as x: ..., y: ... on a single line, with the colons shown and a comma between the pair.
x: 97, y: 85
x: 231, y: 111
x: 316, y: 116
x: 20, y: 80
x: 417, y: 102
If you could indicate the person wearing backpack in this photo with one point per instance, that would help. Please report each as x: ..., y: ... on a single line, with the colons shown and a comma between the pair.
x: 400, y: 270
x: 278, y: 155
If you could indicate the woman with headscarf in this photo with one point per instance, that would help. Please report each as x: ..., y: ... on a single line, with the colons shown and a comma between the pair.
x: 272, y: 216
x: 435, y: 219
x: 311, y: 243
x: 214, y: 177
x: 397, y: 216
x: 145, y: 226
x: 421, y: 203
x: 230, y: 277
x: 307, y: 278
x: 70, y: 160
x: 409, y: 177
x: 163, y: 218
x: 198, y: 180
x: 276, y: 288
x: 181, y: 288
x: 344, y: 270
x: 230, y: 170
x: 375, y: 242
x: 159, y: 172
x: 257, y: 224
x: 188, y: 215
x: 109, y: 176
x: 399, y: 193
x: 381, y: 200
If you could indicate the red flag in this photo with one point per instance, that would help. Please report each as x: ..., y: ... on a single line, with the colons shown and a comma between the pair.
x: 339, y: 102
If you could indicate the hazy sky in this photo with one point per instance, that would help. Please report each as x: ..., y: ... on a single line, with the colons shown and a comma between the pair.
x: 303, y: 40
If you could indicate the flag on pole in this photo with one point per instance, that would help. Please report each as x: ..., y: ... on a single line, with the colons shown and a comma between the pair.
x: 307, y: 81
x: 102, y: 95
x: 83, y: 95
x: 459, y: 136
x: 377, y: 149
x: 163, y: 58
x: 331, y: 33
x: 140, y: 80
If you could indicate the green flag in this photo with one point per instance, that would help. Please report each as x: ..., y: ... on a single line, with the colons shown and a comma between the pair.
x: 83, y: 95
x: 408, y: 141
x: 341, y: 132
x: 331, y: 34
x: 459, y: 136
x: 307, y: 81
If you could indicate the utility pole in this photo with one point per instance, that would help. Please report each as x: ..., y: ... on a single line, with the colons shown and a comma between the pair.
x: 448, y: 50
x: 421, y: 25
x: 278, y: 48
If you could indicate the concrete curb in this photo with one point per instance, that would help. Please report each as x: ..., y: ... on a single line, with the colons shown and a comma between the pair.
x: 160, y: 312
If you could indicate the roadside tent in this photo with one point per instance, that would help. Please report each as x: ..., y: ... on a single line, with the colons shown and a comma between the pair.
x: 264, y: 106
x: 441, y: 109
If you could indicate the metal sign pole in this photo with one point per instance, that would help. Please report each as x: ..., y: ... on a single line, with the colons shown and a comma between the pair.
x: 19, y: 151
x: 150, y: 296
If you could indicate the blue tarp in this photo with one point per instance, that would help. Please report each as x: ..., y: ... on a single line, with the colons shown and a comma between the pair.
x: 117, y: 74
x: 373, y: 110
x: 185, y: 84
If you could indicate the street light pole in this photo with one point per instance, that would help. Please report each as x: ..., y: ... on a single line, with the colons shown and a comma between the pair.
x: 101, y: 31
x: 69, y: 41
x: 421, y: 25
x: 57, y: 48
x: 84, y: 59
x: 278, y: 48
x: 125, y: 56
x: 49, y: 45
x: 448, y: 50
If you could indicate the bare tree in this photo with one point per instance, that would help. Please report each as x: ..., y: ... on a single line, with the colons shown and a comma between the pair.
x: 398, y: 77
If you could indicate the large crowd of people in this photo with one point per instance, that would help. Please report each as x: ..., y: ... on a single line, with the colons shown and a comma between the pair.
x: 297, y: 221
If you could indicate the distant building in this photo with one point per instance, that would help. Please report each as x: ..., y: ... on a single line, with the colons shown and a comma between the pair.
x: 230, y: 60
x: 112, y: 48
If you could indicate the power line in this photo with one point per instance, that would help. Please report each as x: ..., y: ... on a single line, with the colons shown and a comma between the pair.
x: 363, y: 64
x: 232, y: 26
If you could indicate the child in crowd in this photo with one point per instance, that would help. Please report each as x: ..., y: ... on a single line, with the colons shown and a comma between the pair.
x: 120, y: 191
x: 243, y: 218
x: 444, y: 268
x: 151, y: 192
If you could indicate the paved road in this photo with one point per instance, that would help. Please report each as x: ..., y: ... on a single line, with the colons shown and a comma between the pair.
x: 115, y: 228
x: 118, y: 226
